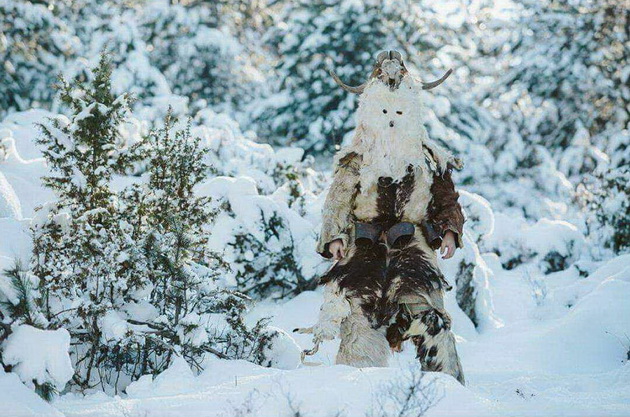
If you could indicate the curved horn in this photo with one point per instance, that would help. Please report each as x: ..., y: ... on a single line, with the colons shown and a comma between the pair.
x: 356, y: 90
x: 381, y: 57
x: 396, y: 55
x: 433, y: 84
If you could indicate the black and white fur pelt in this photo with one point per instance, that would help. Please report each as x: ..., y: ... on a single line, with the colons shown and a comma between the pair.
x: 362, y: 345
x: 360, y: 303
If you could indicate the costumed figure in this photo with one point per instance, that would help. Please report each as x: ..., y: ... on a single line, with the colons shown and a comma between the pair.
x: 391, y: 205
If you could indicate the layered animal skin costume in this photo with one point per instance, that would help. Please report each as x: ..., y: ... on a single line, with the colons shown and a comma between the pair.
x: 391, y: 202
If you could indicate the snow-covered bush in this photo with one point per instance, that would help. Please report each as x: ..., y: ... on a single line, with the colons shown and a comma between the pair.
x: 263, y: 240
x: 267, y: 209
x: 234, y: 153
x: 33, y: 46
x: 470, y: 275
x: 608, y: 200
x: 198, y: 55
x: 39, y: 357
x: 563, y: 81
x: 113, y: 26
x: 127, y: 273
x: 20, y: 298
x: 188, y: 310
x: 22, y: 335
x: 548, y: 245
x: 468, y: 269
x: 478, y: 213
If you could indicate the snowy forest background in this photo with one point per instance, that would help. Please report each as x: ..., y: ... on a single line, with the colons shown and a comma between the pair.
x: 159, y: 207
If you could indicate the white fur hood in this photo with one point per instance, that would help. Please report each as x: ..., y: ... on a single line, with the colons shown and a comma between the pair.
x: 390, y: 133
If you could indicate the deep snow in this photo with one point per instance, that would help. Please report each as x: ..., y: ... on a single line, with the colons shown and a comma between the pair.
x: 569, y: 365
x: 548, y: 344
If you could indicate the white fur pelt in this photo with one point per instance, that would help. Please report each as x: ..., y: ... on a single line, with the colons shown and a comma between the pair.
x: 390, y: 132
x: 334, y: 309
x: 361, y: 344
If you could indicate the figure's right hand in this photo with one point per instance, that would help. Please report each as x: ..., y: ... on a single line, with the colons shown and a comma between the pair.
x: 337, y: 249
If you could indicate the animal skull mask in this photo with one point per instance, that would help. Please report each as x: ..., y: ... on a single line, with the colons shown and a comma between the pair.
x: 390, y: 69
x: 390, y: 134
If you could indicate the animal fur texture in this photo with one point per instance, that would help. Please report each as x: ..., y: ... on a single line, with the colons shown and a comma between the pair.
x: 391, y: 135
x: 361, y: 344
x: 391, y: 173
x: 335, y: 308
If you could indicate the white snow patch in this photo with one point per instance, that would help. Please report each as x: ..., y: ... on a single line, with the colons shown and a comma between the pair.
x: 16, y: 400
x: 39, y: 355
x: 284, y: 352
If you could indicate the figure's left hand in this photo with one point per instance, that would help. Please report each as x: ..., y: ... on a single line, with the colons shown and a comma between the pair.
x: 447, y: 250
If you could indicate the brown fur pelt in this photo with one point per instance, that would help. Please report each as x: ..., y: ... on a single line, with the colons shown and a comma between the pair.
x: 392, y: 173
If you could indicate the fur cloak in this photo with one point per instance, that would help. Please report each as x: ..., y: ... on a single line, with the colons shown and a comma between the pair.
x: 390, y: 173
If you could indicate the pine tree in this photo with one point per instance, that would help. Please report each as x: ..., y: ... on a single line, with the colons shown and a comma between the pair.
x: 127, y: 273
x: 113, y: 26
x: 194, y: 46
x: 194, y: 316
x: 84, y: 254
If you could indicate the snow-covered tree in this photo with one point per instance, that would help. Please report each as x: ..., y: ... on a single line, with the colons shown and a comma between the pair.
x: 192, y: 315
x: 113, y: 26
x: 193, y: 45
x: 307, y: 107
x: 33, y: 46
x: 563, y: 83
x: 84, y: 255
x: 608, y: 197
x: 128, y: 273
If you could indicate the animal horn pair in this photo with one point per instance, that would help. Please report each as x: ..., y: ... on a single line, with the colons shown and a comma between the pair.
x: 359, y: 89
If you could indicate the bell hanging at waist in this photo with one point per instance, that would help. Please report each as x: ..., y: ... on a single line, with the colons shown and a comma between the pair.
x: 372, y: 232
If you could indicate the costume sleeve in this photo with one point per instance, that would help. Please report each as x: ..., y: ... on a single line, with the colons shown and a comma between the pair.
x: 336, y: 215
x: 445, y: 213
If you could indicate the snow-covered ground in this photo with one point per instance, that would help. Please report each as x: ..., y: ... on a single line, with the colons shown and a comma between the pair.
x: 536, y: 107
x: 574, y: 364
x: 547, y: 344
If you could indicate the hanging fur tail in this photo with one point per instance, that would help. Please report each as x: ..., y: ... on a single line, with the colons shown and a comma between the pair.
x: 335, y: 308
x: 308, y: 352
